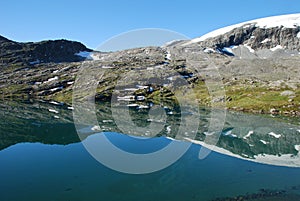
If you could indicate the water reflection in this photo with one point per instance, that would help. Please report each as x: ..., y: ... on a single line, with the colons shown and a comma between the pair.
x: 33, y: 171
x: 41, y: 158
x: 260, y: 138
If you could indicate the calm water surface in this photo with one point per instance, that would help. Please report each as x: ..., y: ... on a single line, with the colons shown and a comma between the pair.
x: 42, y: 158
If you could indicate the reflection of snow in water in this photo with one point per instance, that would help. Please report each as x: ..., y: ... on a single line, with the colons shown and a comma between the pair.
x: 107, y: 120
x: 275, y: 135
x: 168, y: 129
x: 52, y: 110
x: 132, y: 105
x: 89, y: 129
x: 297, y: 147
x: 287, y: 160
x: 264, y: 142
x: 143, y: 107
x: 248, y: 135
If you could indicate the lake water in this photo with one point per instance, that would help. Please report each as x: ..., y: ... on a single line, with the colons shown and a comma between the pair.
x: 42, y: 158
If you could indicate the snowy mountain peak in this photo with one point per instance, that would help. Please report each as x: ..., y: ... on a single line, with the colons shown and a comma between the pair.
x: 287, y: 21
x: 277, y: 36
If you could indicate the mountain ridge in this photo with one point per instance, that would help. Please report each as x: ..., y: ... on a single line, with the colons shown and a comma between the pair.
x: 258, y: 38
x: 29, y: 53
x: 287, y: 21
x: 259, y: 68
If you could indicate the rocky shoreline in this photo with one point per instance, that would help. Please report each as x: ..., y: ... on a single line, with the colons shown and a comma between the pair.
x: 264, y: 195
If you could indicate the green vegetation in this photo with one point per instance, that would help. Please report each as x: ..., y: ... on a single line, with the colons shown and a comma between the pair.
x: 240, y: 97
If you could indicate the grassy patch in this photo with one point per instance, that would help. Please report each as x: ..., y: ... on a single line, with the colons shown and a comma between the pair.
x: 260, y: 98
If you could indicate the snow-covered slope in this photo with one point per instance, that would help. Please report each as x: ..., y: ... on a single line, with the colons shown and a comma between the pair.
x: 271, y: 37
x: 287, y: 21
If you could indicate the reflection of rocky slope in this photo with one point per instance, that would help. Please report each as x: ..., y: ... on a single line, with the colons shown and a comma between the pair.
x: 35, y: 123
x: 258, y: 63
x: 259, y: 138
x: 264, y: 139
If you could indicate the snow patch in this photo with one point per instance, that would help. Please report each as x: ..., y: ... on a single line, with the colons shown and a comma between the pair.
x: 298, y: 34
x: 84, y: 54
x: 209, y: 50
x: 107, y: 67
x: 265, y: 40
x: 215, y: 33
x: 88, y: 55
x: 276, y: 48
x: 56, y: 89
x: 51, y: 79
x: 228, y: 50
x: 168, y: 56
x: 297, y: 147
x: 287, y: 21
x: 249, y: 48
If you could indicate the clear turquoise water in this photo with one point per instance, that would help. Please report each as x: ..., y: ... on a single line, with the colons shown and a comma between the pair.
x: 41, y: 159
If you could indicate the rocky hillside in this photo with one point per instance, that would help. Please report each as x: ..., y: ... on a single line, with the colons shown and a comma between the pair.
x: 54, y: 51
x: 258, y: 63
x: 260, y: 38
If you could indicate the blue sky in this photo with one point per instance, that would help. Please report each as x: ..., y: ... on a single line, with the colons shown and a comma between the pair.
x: 92, y: 22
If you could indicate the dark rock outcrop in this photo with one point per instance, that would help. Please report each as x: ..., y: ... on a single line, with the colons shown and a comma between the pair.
x: 31, y: 53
